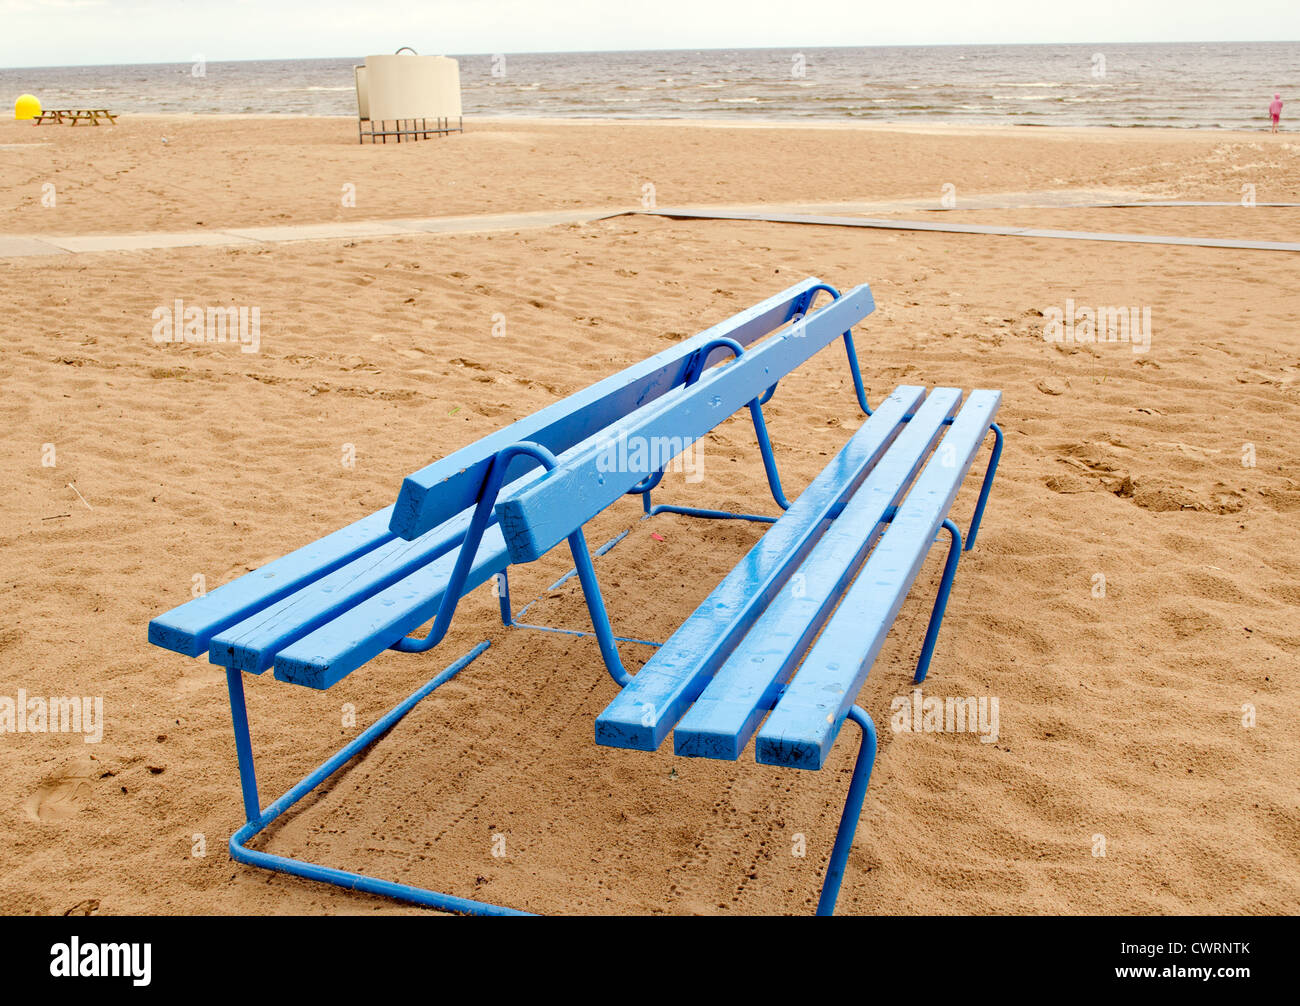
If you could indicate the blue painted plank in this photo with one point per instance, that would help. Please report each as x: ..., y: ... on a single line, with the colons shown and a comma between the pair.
x: 450, y: 485
x: 336, y: 649
x: 594, y: 475
x: 189, y: 628
x: 803, y: 726
x: 251, y: 644
x: 646, y: 709
x: 732, y: 705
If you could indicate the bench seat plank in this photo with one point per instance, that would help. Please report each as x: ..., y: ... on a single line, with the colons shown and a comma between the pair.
x: 251, y: 645
x: 544, y: 514
x: 337, y: 648
x: 189, y: 628
x: 451, y: 484
x: 641, y: 715
x: 807, y: 718
x: 734, y: 702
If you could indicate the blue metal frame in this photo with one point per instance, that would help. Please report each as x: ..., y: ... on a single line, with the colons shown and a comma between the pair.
x: 646, y: 485
x: 858, y: 388
x: 644, y: 488
x: 852, y: 812
x: 988, y: 484
x: 259, y: 819
x: 940, y: 602
x: 469, y: 549
x: 511, y: 621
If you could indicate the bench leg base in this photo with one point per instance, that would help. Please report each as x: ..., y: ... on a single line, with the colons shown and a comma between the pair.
x: 690, y: 511
x: 852, y: 811
x: 940, y: 602
x: 512, y: 621
x: 984, y: 489
x: 259, y: 820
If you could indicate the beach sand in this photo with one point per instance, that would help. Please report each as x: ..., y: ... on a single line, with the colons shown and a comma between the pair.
x: 1121, y: 715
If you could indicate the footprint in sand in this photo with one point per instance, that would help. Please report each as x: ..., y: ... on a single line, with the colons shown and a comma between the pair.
x: 63, y: 793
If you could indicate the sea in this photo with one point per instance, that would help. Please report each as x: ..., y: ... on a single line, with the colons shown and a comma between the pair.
x: 1209, y: 85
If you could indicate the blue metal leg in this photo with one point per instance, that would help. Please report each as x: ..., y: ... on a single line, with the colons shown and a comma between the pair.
x: 852, y: 811
x: 695, y: 370
x: 940, y: 602
x: 243, y: 744
x: 258, y: 821
x: 586, y: 573
x: 608, y: 546
x: 479, y: 521
x: 984, y: 489
x: 769, y: 467
x: 769, y: 459
x: 854, y: 369
x: 596, y: 606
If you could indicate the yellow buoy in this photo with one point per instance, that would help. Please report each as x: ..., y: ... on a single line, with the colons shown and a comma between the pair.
x: 26, y: 107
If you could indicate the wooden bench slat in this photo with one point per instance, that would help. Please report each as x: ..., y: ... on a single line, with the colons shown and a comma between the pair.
x: 436, y: 492
x: 807, y: 718
x: 734, y: 702
x: 544, y: 514
x: 189, y: 628
x: 336, y: 649
x: 641, y: 715
x: 251, y: 645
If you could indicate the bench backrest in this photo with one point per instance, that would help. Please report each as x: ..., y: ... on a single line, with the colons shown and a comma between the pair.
x: 446, y: 487
x: 439, y: 492
x: 549, y: 509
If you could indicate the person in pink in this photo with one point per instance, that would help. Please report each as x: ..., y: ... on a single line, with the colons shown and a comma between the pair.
x: 1275, y: 110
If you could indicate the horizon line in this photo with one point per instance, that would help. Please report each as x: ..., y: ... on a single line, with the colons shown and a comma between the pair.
x: 589, y: 52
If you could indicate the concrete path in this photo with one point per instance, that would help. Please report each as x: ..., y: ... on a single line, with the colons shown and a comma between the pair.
x: 955, y: 228
x: 824, y: 214
x: 20, y: 245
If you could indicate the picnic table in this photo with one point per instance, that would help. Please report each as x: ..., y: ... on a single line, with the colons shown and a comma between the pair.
x: 72, y: 116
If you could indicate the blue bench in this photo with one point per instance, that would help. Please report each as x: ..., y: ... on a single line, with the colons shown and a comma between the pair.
x: 856, y: 537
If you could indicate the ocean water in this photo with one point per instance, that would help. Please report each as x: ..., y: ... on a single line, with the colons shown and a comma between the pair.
x: 1193, y: 85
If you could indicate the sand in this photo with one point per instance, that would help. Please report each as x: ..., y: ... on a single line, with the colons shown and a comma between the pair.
x: 1121, y: 715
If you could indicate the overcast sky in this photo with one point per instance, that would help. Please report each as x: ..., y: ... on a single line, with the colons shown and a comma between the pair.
x: 69, y: 32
